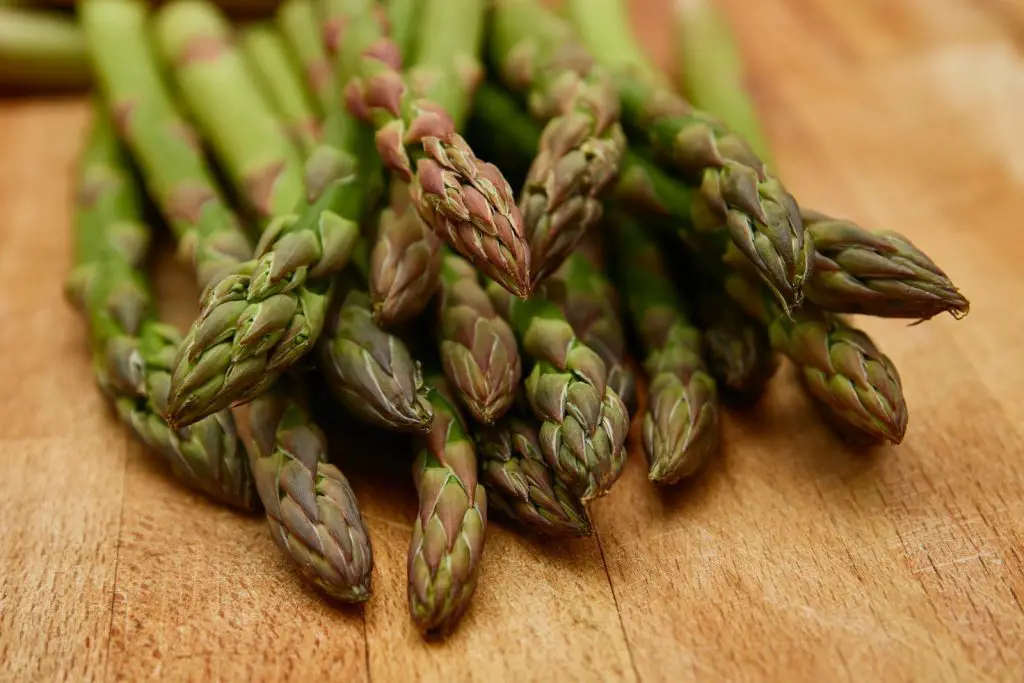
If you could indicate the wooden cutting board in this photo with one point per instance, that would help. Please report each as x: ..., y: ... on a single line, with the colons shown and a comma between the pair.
x: 792, y: 558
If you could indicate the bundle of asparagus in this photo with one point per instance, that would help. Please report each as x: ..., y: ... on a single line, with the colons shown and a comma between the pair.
x: 397, y: 267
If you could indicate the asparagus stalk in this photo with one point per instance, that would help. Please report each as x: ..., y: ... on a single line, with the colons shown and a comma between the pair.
x: 589, y: 302
x: 478, y: 348
x: 448, y: 536
x: 159, y: 139
x: 710, y: 69
x: 522, y: 486
x: 841, y: 367
x: 584, y: 422
x: 681, y: 425
x: 298, y: 22
x: 195, y: 42
x: 733, y: 187
x: 269, y: 62
x: 737, y: 350
x: 855, y: 270
x: 404, y: 16
x: 131, y: 349
x: 311, y: 508
x: 267, y: 315
x: 372, y: 372
x: 582, y: 145
x: 41, y: 50
x: 465, y: 201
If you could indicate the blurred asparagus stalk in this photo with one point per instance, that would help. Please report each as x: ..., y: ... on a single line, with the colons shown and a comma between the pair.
x: 269, y: 62
x: 711, y: 72
x: 41, y: 50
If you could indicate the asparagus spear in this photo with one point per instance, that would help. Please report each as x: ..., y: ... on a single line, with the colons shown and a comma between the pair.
x: 405, y: 264
x: 370, y: 371
x: 478, y: 348
x: 855, y: 270
x: 522, y: 486
x: 159, y: 139
x: 581, y: 147
x: 268, y: 314
x: 300, y: 26
x: 131, y: 349
x: 710, y: 69
x: 733, y: 187
x: 841, y: 366
x: 448, y: 536
x: 269, y: 62
x: 681, y: 426
x: 311, y: 508
x: 589, y: 302
x: 465, y: 201
x: 737, y: 350
x: 41, y: 50
x: 876, y: 273
x: 404, y: 16
x: 584, y: 422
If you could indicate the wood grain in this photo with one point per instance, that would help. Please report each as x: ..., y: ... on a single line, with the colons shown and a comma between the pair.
x: 793, y: 557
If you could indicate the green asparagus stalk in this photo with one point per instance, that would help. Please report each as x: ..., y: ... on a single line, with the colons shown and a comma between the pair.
x: 311, y: 508
x: 711, y: 72
x: 521, y: 485
x: 448, y: 536
x: 298, y: 22
x: 131, y: 349
x: 737, y: 350
x: 855, y: 270
x: 478, y: 348
x: 404, y: 16
x: 841, y: 367
x: 159, y: 138
x: 681, y: 425
x: 41, y: 50
x: 589, y: 302
x: 372, y: 372
x: 267, y: 315
x: 580, y: 150
x: 732, y: 186
x: 584, y: 422
x: 215, y: 86
x: 269, y: 62
x: 465, y: 201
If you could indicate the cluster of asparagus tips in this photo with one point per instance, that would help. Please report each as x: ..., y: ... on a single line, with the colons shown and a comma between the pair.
x: 583, y: 422
x: 522, y: 486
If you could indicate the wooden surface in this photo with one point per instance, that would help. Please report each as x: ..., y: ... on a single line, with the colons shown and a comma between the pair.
x: 793, y: 558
